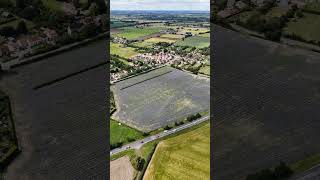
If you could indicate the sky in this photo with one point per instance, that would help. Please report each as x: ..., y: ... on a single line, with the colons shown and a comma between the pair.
x: 190, y: 5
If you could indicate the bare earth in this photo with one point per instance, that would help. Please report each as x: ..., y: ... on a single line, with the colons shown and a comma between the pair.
x: 121, y: 169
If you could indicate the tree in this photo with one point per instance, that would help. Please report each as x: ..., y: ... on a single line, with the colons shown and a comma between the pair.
x: 138, y: 163
x: 273, y: 35
x: 21, y: 28
x: 102, y: 6
x: 283, y: 171
x: 29, y: 13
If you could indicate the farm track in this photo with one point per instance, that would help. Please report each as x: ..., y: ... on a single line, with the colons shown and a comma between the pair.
x: 265, y: 111
x: 62, y: 128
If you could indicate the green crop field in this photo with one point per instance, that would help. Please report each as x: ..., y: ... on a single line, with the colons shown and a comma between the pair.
x: 134, y: 33
x: 121, y: 133
x: 194, y: 41
x: 125, y: 52
x: 186, y: 156
x: 306, y: 27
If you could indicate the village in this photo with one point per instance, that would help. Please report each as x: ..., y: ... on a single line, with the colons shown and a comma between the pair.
x: 160, y: 54
x: 21, y: 37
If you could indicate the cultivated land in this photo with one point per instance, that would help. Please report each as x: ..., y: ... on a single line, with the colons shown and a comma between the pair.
x: 131, y: 33
x: 61, y: 126
x: 160, y: 97
x: 121, y: 169
x: 125, y: 52
x: 186, y: 156
x: 263, y: 115
x: 195, y: 41
x: 306, y: 27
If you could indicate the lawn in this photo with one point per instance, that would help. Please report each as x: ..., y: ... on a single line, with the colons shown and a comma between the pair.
x: 186, y: 156
x: 194, y: 41
x: 120, y: 50
x: 131, y: 33
x: 306, y: 27
x: 121, y: 133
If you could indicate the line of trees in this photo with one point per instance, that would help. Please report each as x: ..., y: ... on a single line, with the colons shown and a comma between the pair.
x: 281, y: 171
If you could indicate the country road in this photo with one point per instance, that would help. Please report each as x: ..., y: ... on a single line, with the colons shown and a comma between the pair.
x: 141, y: 142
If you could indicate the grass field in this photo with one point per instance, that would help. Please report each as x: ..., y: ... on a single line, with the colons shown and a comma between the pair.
x: 306, y: 27
x: 125, y: 52
x: 194, y: 41
x: 131, y: 33
x: 121, y: 133
x: 186, y: 156
x: 156, y: 40
x: 143, y: 44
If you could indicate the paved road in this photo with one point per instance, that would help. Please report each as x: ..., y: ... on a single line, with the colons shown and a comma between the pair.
x: 141, y: 142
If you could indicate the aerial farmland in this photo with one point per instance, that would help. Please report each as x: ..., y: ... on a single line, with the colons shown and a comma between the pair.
x: 160, y: 84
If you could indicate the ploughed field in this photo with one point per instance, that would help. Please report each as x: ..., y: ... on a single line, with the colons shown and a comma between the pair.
x: 184, y: 157
x: 266, y: 100
x: 61, y: 127
x: 161, y: 97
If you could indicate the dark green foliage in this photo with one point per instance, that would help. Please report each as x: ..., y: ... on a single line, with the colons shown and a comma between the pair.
x: 138, y: 163
x: 193, y: 117
x: 282, y: 171
x: 116, y: 145
x: 167, y: 127
x: 22, y: 28
x: 130, y: 139
x: 145, y: 134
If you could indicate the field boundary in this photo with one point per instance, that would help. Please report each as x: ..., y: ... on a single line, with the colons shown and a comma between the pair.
x: 145, y: 80
x: 144, y: 72
x: 14, y: 151
x: 68, y: 76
